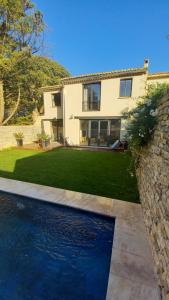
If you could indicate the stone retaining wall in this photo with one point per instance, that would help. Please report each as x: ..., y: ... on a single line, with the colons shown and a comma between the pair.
x: 153, y: 182
x: 7, y: 138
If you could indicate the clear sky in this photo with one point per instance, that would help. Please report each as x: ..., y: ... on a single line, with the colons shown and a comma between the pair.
x: 88, y: 36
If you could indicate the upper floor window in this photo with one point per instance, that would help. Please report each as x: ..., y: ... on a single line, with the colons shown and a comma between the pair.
x: 56, y: 99
x: 91, y: 96
x: 125, y: 87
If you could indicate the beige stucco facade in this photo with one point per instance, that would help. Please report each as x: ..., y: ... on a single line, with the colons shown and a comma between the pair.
x: 51, y: 111
x: 112, y: 106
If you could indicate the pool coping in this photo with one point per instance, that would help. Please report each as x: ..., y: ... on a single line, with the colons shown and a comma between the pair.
x: 131, y: 274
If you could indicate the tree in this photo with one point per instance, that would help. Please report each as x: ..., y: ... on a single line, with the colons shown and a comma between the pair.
x: 21, y: 34
x: 1, y: 102
x: 32, y: 74
x: 21, y: 26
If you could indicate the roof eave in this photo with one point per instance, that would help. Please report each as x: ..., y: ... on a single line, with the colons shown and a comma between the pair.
x: 102, y: 76
x: 51, y: 88
x: 158, y: 75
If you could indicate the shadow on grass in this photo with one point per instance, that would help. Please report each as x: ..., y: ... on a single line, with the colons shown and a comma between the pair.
x: 103, y: 174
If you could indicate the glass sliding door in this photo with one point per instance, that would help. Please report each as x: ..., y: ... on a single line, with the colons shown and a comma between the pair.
x: 99, y: 132
x: 84, y: 132
x: 57, y: 130
x: 94, y: 132
x: 115, y: 126
x: 104, y: 132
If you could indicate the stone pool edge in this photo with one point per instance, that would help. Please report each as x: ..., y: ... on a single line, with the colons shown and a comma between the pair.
x: 131, y: 274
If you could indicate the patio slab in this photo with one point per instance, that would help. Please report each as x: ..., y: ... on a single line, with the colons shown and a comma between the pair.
x: 132, y: 274
x: 121, y: 288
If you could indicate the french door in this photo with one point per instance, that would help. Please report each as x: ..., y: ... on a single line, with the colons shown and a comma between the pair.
x: 99, y: 132
x: 104, y: 132
x: 94, y: 132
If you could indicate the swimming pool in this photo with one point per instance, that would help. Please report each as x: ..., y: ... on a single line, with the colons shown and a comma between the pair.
x: 52, y: 252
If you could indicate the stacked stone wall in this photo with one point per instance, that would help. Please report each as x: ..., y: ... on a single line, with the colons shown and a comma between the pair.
x: 153, y: 182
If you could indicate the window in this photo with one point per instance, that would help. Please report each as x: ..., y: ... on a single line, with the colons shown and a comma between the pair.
x: 125, y: 87
x: 56, y: 99
x: 91, y: 96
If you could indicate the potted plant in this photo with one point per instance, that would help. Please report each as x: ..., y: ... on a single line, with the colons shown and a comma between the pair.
x: 39, y: 139
x: 45, y: 140
x: 19, y: 138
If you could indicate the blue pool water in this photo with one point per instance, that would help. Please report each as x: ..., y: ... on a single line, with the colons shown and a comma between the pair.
x: 52, y: 252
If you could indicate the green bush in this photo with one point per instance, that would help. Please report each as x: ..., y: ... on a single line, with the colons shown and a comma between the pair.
x: 143, y: 119
x: 22, y: 120
x: 43, y: 137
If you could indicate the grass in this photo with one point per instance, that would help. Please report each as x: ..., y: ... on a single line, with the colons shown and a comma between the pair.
x: 100, y: 173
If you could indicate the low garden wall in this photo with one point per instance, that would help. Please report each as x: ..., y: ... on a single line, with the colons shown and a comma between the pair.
x: 153, y: 182
x: 7, y: 138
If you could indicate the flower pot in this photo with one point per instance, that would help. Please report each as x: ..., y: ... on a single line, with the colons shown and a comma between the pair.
x: 45, y: 144
x: 40, y: 143
x: 19, y: 142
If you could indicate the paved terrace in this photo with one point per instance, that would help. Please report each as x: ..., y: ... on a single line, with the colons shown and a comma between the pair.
x: 132, y: 274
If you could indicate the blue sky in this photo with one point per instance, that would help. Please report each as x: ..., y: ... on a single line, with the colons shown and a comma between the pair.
x: 88, y: 36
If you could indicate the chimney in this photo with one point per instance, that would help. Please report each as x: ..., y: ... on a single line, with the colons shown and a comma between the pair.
x: 146, y: 63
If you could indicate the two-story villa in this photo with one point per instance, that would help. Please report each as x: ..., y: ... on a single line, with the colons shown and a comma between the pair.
x: 88, y: 109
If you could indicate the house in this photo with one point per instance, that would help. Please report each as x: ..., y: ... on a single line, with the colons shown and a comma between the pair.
x: 89, y: 109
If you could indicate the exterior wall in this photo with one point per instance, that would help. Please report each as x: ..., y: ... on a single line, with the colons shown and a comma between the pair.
x: 48, y: 128
x: 51, y: 112
x: 7, y: 138
x: 111, y: 104
x: 153, y: 182
x: 158, y: 80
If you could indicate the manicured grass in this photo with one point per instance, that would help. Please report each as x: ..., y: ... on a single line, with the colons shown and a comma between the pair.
x: 100, y: 173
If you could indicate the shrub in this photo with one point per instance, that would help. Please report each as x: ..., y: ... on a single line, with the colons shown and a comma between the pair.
x: 143, y: 119
x: 43, y: 137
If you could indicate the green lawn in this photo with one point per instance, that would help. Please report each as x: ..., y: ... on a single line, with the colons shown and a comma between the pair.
x: 101, y: 173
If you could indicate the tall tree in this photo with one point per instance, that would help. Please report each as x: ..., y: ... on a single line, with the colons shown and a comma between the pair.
x: 1, y: 102
x: 32, y: 73
x: 21, y: 34
x: 21, y: 26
